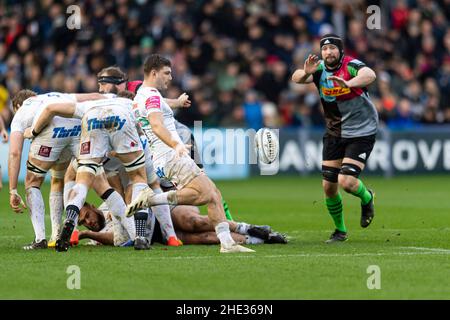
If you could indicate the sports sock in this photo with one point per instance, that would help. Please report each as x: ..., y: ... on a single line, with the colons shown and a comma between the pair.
x: 162, y: 213
x: 140, y: 220
x: 67, y: 187
x: 117, y: 207
x: 150, y: 225
x: 253, y: 240
x: 334, y: 206
x: 169, y: 197
x: 223, y: 233
x: 227, y: 210
x: 362, y: 193
x: 74, y: 204
x: 242, y: 228
x: 56, y: 210
x: 36, y: 207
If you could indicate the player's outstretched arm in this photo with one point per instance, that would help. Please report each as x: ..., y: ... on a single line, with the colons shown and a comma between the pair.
x: 305, y: 75
x: 14, y: 158
x: 157, y: 124
x: 181, y: 102
x: 82, y: 97
x: 66, y: 110
x: 105, y: 238
x: 364, y: 77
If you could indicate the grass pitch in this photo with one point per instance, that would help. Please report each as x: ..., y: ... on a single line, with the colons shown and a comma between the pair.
x: 408, y: 240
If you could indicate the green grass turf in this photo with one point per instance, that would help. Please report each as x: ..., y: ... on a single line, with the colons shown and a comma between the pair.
x: 412, y: 220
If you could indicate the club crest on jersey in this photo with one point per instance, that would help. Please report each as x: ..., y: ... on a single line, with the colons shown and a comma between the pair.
x: 336, y: 91
x: 44, y: 151
x: 62, y: 132
x: 112, y: 122
x: 85, y: 147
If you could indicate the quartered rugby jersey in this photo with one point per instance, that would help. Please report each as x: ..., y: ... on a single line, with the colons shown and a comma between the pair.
x: 348, y: 112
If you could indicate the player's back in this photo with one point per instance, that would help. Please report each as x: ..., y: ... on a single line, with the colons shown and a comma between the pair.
x: 32, y: 107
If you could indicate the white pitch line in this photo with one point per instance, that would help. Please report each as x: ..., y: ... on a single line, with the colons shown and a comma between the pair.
x: 428, y: 249
x: 308, y: 255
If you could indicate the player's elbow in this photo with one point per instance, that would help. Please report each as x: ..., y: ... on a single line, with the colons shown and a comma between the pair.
x: 295, y: 77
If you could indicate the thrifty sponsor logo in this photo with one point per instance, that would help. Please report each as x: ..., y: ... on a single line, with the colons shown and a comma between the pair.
x: 112, y: 122
x: 62, y: 132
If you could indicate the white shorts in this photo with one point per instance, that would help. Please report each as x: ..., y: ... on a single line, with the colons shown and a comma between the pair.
x: 113, y: 165
x: 104, y: 130
x: 58, y: 142
x: 179, y: 171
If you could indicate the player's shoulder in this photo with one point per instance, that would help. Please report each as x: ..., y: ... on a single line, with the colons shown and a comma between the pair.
x: 353, y: 61
x: 147, y: 91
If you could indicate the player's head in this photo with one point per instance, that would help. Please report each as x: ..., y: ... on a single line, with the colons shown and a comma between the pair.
x: 20, y: 97
x: 126, y: 94
x: 332, y: 50
x: 158, y: 70
x: 91, y: 218
x: 111, y: 80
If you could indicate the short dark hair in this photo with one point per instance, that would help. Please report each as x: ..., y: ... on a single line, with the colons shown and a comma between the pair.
x: 115, y: 72
x: 126, y: 94
x: 20, y: 97
x: 155, y: 62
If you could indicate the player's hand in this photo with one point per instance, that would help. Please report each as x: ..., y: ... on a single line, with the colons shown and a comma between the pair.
x: 182, y: 149
x: 28, y: 133
x: 183, y: 100
x: 112, y: 154
x: 311, y: 64
x: 16, y: 202
x: 340, y: 81
x: 4, y: 134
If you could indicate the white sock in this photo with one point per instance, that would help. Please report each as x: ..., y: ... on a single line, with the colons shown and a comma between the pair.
x: 67, y: 187
x: 162, y: 213
x: 118, y: 207
x: 242, y: 228
x: 169, y: 197
x: 253, y: 240
x: 79, y: 192
x: 36, y: 206
x: 223, y: 233
x: 56, y: 210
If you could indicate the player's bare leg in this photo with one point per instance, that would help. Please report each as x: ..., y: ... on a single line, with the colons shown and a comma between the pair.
x: 350, y: 182
x: 56, y: 199
x: 36, y: 171
x: 200, y: 191
x: 333, y: 199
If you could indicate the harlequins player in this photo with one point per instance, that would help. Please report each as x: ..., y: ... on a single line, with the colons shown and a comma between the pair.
x: 351, y: 126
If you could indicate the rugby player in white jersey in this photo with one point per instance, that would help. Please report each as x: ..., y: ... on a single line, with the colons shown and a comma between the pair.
x: 52, y: 150
x: 113, y: 80
x: 170, y: 156
x: 4, y: 135
x: 190, y: 225
x: 107, y: 125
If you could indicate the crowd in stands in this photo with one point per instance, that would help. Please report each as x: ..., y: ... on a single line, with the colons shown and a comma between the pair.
x: 233, y: 57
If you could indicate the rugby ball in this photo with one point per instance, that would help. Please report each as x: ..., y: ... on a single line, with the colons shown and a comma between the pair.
x: 266, y: 145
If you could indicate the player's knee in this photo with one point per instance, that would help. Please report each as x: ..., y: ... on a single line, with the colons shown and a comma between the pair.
x: 330, y: 174
x: 347, y: 182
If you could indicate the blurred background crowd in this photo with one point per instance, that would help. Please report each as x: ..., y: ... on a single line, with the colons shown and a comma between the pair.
x: 233, y: 57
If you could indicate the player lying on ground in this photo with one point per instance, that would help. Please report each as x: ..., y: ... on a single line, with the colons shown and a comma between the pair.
x: 53, y: 149
x: 170, y: 156
x: 351, y: 121
x: 190, y: 226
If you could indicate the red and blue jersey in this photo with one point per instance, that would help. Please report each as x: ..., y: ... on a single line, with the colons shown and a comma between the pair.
x: 349, y: 112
